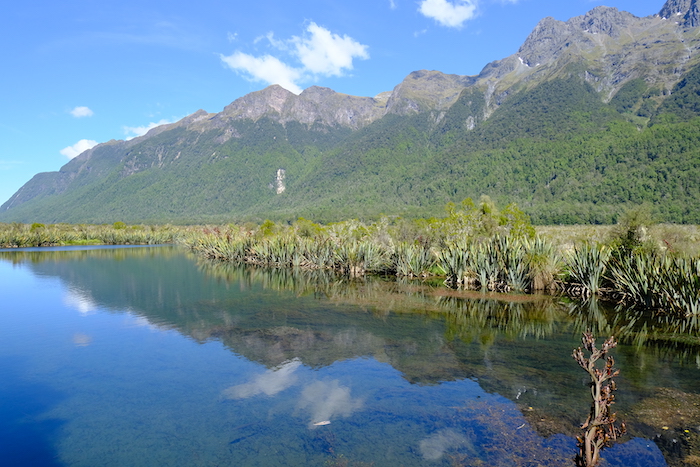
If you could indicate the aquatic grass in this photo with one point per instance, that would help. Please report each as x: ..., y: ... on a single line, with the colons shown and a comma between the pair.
x: 37, y: 235
x: 359, y: 257
x: 543, y: 263
x: 512, y: 257
x: 500, y: 262
x: 412, y: 260
x: 453, y: 262
x: 586, y: 265
x: 636, y: 278
x: 681, y: 286
x: 484, y: 263
x: 659, y: 282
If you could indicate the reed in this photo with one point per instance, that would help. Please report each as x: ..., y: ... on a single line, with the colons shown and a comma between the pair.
x: 359, y: 257
x: 485, y: 264
x: 453, y: 262
x: 506, y: 260
x: 544, y: 264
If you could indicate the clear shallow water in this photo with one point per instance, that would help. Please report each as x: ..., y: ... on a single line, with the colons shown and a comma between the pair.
x: 147, y: 356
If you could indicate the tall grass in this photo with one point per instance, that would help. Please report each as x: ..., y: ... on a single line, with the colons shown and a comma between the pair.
x: 37, y: 235
x: 411, y: 260
x: 659, y: 282
x: 586, y: 265
x: 500, y: 263
x: 477, y: 247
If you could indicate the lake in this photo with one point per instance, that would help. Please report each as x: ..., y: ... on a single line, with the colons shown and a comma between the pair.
x: 150, y: 356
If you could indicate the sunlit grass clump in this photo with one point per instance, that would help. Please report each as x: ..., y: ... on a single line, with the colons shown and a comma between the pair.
x: 37, y: 235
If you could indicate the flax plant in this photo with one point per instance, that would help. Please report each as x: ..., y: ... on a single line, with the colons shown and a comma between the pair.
x: 412, y: 260
x: 37, y: 235
x: 358, y: 257
x: 659, y: 282
x: 586, y: 265
x: 543, y: 262
x: 453, y: 261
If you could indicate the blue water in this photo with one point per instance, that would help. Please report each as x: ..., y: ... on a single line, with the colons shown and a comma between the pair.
x: 117, y: 357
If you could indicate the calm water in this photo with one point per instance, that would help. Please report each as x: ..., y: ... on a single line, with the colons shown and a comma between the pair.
x: 148, y: 356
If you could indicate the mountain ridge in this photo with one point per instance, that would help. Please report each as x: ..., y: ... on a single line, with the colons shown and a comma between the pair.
x: 631, y: 65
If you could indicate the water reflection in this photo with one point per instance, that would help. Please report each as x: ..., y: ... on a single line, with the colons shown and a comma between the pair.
x: 668, y: 337
x: 297, y: 325
x: 80, y: 301
x: 325, y: 400
x: 269, y: 383
x: 434, y: 446
x: 81, y: 340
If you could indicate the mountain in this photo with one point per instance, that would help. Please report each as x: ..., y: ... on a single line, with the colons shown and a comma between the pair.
x: 589, y: 116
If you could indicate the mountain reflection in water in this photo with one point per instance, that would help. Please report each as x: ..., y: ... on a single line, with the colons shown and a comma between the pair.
x: 302, y: 327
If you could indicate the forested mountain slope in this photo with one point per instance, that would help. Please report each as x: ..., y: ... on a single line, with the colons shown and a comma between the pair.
x: 589, y: 116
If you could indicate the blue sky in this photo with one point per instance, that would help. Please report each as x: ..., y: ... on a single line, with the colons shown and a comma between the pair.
x: 77, y: 73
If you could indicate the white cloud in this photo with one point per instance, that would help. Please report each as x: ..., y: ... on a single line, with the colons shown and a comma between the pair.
x: 267, y: 69
x: 81, y: 146
x: 79, y: 300
x: 82, y: 111
x: 449, y: 14
x: 9, y: 164
x: 328, y: 54
x: 135, y: 131
x: 319, y: 53
x: 392, y: 4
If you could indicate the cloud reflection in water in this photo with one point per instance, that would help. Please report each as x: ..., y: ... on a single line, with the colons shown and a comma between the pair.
x: 325, y: 400
x: 269, y: 383
x: 434, y: 447
x: 320, y: 400
x: 80, y: 301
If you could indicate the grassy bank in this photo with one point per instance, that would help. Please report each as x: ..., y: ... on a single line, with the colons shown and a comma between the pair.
x: 36, y: 235
x: 478, y: 247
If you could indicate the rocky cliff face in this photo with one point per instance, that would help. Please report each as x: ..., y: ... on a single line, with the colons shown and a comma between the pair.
x: 314, y: 105
x: 425, y: 91
x: 684, y: 12
x: 605, y: 46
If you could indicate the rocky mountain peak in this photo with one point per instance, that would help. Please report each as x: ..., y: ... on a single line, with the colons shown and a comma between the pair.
x: 317, y: 93
x: 314, y: 105
x: 543, y: 42
x: 259, y: 103
x: 603, y: 20
x: 685, y: 12
x: 426, y: 90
